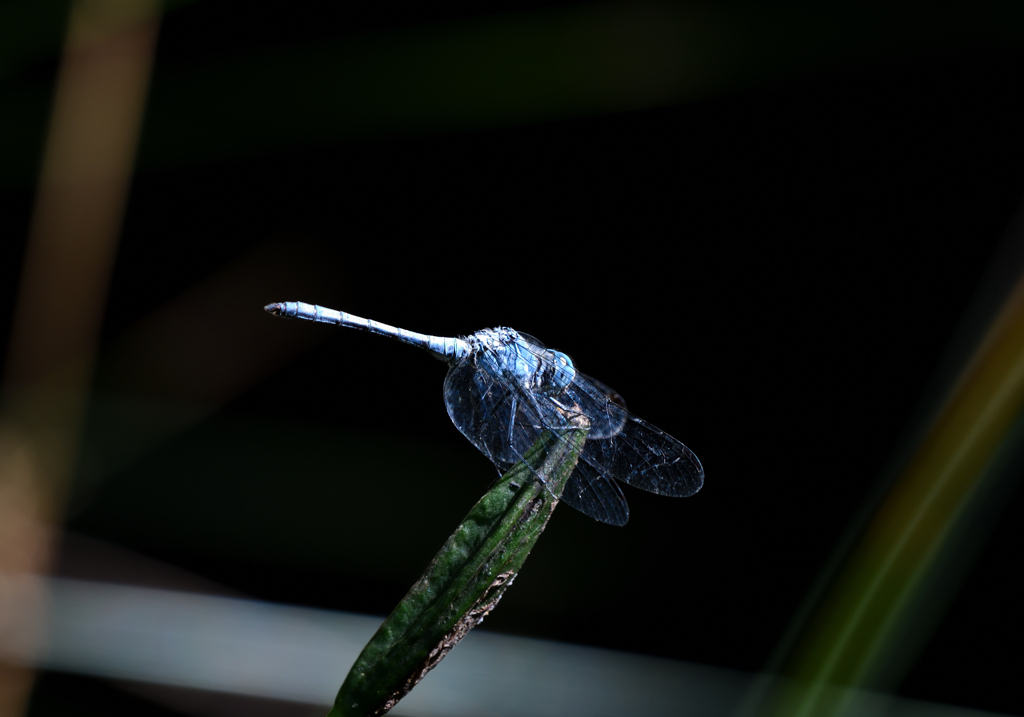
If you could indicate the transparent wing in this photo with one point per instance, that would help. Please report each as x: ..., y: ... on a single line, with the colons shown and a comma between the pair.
x: 502, y: 421
x: 587, y: 490
x: 613, y: 395
x: 636, y: 453
x: 619, y: 447
x: 592, y: 494
x: 532, y: 340
x: 605, y: 408
x: 480, y: 404
x: 601, y: 404
x: 495, y: 413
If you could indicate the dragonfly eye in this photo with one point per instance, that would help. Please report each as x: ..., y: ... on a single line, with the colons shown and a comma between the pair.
x: 563, y: 371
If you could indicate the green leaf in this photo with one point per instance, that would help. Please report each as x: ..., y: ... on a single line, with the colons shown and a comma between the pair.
x: 464, y: 581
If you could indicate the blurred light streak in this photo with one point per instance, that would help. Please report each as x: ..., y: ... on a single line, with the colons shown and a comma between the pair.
x: 32, y: 32
x: 896, y: 577
x: 299, y: 654
x: 83, y: 187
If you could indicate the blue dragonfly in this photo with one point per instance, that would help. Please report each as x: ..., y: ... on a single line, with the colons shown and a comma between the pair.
x: 504, y: 388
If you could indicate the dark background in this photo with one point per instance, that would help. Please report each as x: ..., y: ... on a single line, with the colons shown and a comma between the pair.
x: 770, y: 269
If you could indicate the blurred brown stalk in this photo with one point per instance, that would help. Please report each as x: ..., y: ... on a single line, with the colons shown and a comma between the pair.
x: 83, y: 188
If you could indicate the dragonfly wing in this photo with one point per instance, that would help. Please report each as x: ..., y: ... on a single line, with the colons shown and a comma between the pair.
x: 613, y: 395
x: 532, y: 340
x: 647, y: 458
x: 495, y: 413
x: 480, y: 404
x: 587, y: 490
x: 603, y: 406
x: 627, y: 448
x: 592, y: 494
x: 503, y: 419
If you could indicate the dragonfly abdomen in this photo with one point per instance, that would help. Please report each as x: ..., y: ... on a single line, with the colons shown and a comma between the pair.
x: 443, y: 347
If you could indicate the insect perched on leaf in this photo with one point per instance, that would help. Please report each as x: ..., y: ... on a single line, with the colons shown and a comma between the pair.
x: 505, y: 388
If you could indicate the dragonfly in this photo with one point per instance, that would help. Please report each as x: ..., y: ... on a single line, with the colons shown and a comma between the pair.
x: 504, y: 388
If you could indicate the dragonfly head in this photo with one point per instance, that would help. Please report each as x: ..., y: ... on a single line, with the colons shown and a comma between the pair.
x: 563, y: 371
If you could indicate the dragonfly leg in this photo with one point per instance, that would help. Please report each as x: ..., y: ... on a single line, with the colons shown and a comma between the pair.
x: 533, y: 470
x: 561, y: 436
x: 512, y: 426
x: 512, y: 445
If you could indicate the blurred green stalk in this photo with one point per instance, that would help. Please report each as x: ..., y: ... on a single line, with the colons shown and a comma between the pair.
x: 861, y: 627
x: 464, y: 582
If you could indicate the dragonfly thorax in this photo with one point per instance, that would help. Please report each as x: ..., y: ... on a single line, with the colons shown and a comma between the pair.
x: 533, y: 366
